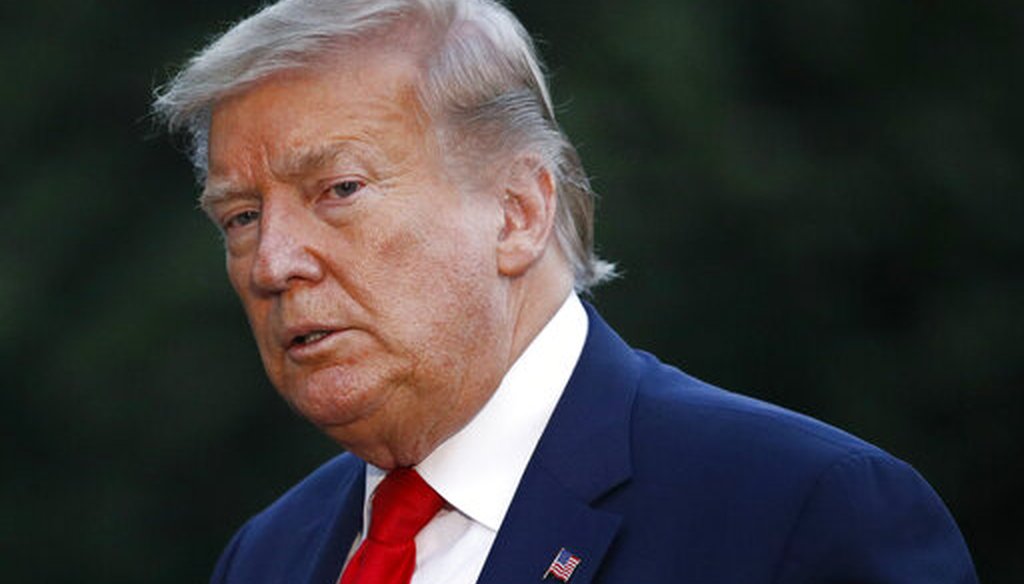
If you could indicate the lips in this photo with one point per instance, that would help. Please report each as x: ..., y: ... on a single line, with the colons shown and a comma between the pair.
x: 299, y: 337
x: 309, y: 338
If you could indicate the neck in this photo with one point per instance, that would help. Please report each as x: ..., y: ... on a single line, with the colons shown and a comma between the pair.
x: 530, y: 301
x: 534, y: 299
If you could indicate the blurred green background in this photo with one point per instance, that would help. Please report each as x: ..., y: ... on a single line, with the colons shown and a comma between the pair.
x: 816, y: 203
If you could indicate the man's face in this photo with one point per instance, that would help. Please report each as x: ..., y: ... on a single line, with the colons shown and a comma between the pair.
x: 369, y: 279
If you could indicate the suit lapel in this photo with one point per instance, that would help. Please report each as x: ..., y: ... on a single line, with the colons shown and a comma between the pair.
x: 583, y: 454
x: 346, y: 522
x: 544, y: 518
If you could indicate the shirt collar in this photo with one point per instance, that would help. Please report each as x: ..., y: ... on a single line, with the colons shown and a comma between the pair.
x: 477, y: 470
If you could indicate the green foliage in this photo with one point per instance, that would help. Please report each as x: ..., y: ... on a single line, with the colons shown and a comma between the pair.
x: 817, y: 203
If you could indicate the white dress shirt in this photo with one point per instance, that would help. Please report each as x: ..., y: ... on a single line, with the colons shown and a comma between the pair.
x: 478, y: 469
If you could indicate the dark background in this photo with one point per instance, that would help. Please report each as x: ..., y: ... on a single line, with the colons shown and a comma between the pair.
x: 816, y: 203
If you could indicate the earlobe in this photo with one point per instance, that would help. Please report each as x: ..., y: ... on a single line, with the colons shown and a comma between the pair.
x: 528, y: 208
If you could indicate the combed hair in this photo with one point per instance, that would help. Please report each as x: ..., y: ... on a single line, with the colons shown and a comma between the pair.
x: 482, y: 84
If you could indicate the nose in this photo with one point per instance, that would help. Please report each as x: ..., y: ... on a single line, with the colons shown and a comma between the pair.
x: 285, y: 254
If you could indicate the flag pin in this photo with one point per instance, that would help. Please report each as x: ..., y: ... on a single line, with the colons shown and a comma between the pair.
x: 563, y: 565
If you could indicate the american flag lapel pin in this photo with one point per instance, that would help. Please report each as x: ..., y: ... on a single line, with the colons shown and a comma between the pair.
x: 563, y: 565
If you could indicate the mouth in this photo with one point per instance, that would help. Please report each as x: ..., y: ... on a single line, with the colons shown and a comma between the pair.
x: 310, y: 338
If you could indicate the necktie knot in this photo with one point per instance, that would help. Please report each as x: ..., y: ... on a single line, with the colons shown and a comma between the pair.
x: 402, y: 505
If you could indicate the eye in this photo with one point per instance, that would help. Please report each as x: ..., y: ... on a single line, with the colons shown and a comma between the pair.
x: 241, y: 219
x: 346, y: 188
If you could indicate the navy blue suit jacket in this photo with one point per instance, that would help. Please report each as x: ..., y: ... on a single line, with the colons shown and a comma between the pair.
x: 649, y: 475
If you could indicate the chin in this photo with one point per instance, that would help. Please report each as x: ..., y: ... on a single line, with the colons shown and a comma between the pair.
x: 337, y: 396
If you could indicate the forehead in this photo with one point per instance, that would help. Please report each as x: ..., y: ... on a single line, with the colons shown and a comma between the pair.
x: 367, y: 98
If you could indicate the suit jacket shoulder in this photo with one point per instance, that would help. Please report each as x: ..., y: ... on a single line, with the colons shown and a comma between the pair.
x: 650, y: 475
x: 798, y: 499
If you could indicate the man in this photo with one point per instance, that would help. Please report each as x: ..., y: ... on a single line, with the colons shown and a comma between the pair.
x: 406, y: 225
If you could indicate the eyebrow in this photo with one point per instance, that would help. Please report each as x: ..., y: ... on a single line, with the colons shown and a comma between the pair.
x: 218, y: 191
x: 302, y: 160
x: 295, y: 163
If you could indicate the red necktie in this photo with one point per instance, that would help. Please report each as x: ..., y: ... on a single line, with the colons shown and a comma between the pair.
x: 402, y: 505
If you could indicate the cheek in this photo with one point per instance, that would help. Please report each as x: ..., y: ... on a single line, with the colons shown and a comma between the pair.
x: 433, y: 273
x: 401, y: 247
x: 399, y: 250
x: 435, y: 257
x: 255, y: 311
x: 238, y: 273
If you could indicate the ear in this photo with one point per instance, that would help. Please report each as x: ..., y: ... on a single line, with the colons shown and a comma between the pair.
x: 528, y: 208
